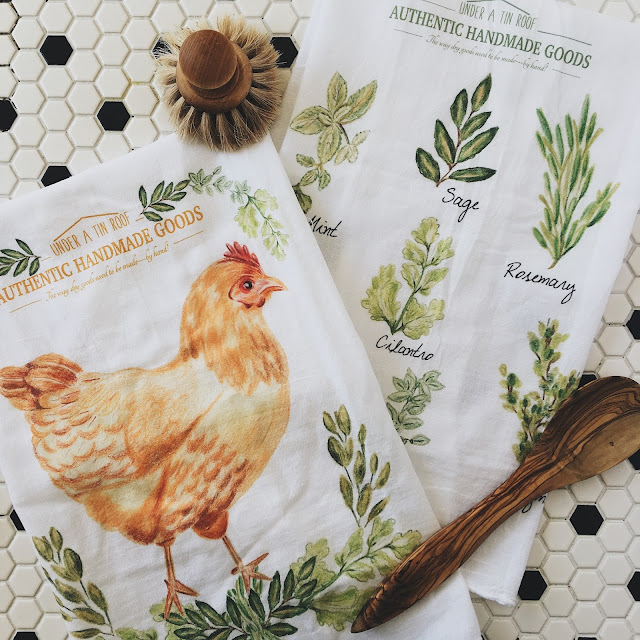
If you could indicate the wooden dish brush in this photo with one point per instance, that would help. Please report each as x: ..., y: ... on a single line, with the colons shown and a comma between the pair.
x: 221, y: 86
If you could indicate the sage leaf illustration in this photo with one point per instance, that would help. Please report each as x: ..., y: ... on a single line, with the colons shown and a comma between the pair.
x: 409, y: 401
x: 19, y: 261
x: 567, y: 151
x: 421, y: 272
x: 536, y: 408
x: 456, y: 149
x: 427, y: 165
x: 334, y: 144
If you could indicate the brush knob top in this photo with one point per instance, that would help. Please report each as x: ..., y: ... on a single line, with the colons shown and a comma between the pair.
x: 213, y: 73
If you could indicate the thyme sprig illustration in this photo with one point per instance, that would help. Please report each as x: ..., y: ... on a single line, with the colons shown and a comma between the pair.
x: 535, y: 409
x: 566, y: 183
x: 79, y: 600
x: 334, y: 143
x: 409, y: 401
x: 254, y: 213
x: 467, y: 123
x: 19, y: 261
x: 423, y: 255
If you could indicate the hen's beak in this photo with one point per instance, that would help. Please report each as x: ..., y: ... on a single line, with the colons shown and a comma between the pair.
x: 269, y: 285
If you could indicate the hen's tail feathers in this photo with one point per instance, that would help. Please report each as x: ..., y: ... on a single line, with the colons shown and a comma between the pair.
x: 46, y: 381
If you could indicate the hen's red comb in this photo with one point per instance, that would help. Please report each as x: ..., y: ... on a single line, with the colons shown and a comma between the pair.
x: 240, y: 253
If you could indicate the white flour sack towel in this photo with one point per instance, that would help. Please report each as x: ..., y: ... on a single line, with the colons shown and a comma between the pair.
x: 470, y: 172
x: 190, y: 429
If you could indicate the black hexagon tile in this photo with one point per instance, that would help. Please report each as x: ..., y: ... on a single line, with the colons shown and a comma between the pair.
x: 159, y: 48
x: 287, y: 50
x: 17, y: 523
x: 587, y: 378
x: 113, y: 116
x: 634, y: 586
x: 7, y: 115
x: 26, y: 635
x: 635, y: 460
x: 56, y: 50
x: 54, y: 173
x: 586, y: 519
x: 633, y: 324
x: 533, y: 585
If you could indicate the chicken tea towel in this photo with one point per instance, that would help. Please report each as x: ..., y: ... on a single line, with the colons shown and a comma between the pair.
x: 470, y: 172
x: 191, y: 429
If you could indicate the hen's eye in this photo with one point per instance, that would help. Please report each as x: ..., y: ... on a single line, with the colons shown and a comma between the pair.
x: 247, y: 285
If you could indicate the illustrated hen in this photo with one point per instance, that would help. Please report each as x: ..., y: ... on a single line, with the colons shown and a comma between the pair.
x: 153, y: 452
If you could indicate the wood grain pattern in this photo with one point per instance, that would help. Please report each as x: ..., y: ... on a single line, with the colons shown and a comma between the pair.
x: 213, y: 73
x: 598, y: 427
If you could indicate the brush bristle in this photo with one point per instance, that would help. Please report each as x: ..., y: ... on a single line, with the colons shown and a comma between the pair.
x: 250, y: 121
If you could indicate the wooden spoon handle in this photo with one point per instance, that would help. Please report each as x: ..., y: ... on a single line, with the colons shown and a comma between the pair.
x: 440, y: 556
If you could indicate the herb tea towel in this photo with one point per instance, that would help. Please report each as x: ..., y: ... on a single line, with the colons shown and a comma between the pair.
x: 470, y: 172
x: 191, y: 429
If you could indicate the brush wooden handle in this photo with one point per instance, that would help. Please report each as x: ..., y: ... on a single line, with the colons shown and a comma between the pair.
x: 213, y: 73
x: 445, y: 552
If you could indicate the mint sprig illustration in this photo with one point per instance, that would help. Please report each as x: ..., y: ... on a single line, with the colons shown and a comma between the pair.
x: 19, y: 261
x: 334, y: 142
x: 535, y: 409
x: 567, y: 181
x: 421, y: 272
x: 161, y: 199
x: 468, y: 120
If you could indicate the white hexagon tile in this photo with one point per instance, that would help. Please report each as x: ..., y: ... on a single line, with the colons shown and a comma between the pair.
x: 76, y: 89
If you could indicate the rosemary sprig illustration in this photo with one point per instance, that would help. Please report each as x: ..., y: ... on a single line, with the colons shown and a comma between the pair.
x: 467, y: 123
x: 19, y: 261
x: 253, y: 214
x: 535, y: 409
x: 423, y: 255
x: 313, y: 583
x: 334, y: 142
x: 566, y: 183
x: 409, y: 401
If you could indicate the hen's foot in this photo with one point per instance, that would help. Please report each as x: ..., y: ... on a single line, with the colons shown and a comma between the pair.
x: 173, y: 589
x: 248, y: 571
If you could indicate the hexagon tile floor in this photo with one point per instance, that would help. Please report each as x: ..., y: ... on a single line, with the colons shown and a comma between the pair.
x: 76, y: 88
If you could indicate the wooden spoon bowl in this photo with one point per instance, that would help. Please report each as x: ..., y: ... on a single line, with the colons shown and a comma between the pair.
x: 595, y: 429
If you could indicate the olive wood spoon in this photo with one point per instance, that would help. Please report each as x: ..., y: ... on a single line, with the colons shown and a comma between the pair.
x: 595, y: 429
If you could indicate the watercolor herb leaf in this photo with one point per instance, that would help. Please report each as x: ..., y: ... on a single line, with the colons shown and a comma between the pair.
x: 334, y: 143
x: 566, y: 183
x: 468, y: 120
x: 161, y: 199
x: 535, y: 409
x: 330, y: 585
x: 374, y: 548
x: 19, y: 261
x: 255, y: 211
x: 408, y: 402
x: 79, y: 600
x: 421, y: 273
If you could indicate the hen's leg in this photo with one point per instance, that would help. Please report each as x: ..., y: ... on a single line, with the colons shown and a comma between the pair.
x: 174, y: 587
x: 247, y: 571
